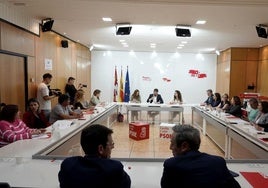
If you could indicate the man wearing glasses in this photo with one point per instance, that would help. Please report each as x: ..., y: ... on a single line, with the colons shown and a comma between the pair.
x: 95, y: 169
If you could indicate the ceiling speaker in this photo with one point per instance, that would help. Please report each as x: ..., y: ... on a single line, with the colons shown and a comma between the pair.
x: 47, y: 24
x: 261, y: 31
x: 64, y: 43
x: 183, y: 32
x: 123, y: 29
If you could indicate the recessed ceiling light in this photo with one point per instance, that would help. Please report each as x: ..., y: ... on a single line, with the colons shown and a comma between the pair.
x: 78, y: 40
x: 201, y: 22
x: 179, y: 47
x: 64, y: 33
x: 152, y: 44
x: 107, y: 19
x: 121, y: 40
x: 184, y: 42
x: 181, y: 44
x: 217, y: 52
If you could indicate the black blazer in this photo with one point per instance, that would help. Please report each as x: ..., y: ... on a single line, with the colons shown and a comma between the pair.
x: 197, y: 170
x: 92, y: 172
x: 158, y: 99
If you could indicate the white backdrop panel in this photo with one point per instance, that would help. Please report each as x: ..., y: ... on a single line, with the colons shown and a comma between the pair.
x: 148, y: 71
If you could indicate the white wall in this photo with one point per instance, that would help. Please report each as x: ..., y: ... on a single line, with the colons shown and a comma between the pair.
x: 161, y: 65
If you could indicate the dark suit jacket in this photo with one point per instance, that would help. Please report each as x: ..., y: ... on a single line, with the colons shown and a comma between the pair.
x: 235, y: 110
x: 158, y: 99
x: 209, y: 100
x: 197, y: 170
x: 92, y: 172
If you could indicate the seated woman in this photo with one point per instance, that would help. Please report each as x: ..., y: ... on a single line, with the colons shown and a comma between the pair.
x: 216, y: 100
x: 225, y: 103
x: 34, y: 118
x: 79, y: 101
x: 261, y: 121
x: 177, y: 99
x: 235, y: 108
x: 135, y: 98
x: 12, y: 128
x: 253, y: 112
x: 63, y: 110
x: 95, y: 99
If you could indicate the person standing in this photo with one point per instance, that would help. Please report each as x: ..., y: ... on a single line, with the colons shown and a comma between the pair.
x: 71, y: 90
x: 95, y: 169
x: 43, y: 96
x: 189, y: 168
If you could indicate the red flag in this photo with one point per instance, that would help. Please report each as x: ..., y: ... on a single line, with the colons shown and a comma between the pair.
x: 121, y: 94
x: 115, y: 85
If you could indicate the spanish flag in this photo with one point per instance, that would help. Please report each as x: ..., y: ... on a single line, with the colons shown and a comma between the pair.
x: 121, y: 92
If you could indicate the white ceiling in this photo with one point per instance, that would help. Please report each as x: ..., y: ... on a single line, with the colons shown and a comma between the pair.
x: 230, y: 23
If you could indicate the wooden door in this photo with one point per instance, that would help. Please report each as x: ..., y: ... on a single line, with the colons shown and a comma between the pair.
x: 12, y: 80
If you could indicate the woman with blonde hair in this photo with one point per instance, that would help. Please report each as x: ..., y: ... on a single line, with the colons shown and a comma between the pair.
x: 79, y: 101
x: 135, y: 98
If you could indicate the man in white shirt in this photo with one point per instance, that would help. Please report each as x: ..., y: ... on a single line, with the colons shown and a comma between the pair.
x: 43, y: 95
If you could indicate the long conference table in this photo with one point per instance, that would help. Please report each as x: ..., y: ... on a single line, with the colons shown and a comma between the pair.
x: 21, y: 164
x: 234, y: 136
x: 150, y: 107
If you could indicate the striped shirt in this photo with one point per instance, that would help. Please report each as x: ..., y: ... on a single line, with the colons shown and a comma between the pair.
x: 11, y: 132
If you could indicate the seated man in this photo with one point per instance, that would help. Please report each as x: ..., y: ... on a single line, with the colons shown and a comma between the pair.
x: 154, y: 98
x: 63, y: 110
x: 190, y: 168
x: 95, y: 169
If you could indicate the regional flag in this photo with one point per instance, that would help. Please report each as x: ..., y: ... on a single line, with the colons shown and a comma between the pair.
x: 115, y: 85
x: 127, y: 89
x: 121, y: 86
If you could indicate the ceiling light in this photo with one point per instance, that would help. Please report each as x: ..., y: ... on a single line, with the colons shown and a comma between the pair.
x: 107, y: 19
x: 181, y: 44
x: 217, y: 52
x: 121, y: 40
x: 179, y: 47
x: 184, y: 42
x: 201, y: 22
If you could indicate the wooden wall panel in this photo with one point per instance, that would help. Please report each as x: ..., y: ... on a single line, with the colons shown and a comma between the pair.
x: 237, y: 78
x: 223, y: 72
x: 239, y: 54
x: 262, y: 86
x: 263, y: 53
x: 253, y: 54
x: 16, y: 40
x: 31, y: 73
x: 251, y: 75
x: 12, y: 86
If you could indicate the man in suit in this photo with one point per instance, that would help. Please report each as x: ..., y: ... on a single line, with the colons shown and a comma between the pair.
x: 156, y: 99
x: 190, y: 168
x: 95, y: 169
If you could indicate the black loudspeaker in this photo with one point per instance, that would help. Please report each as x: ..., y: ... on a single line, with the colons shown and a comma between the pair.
x: 123, y: 30
x: 47, y: 24
x: 181, y: 32
x: 261, y: 32
x: 64, y: 43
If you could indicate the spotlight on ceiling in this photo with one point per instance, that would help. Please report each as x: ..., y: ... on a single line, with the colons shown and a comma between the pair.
x: 262, y: 30
x: 47, y: 24
x: 123, y: 29
x: 183, y: 31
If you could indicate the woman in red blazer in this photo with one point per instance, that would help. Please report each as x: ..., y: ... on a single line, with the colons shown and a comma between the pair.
x: 34, y: 118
